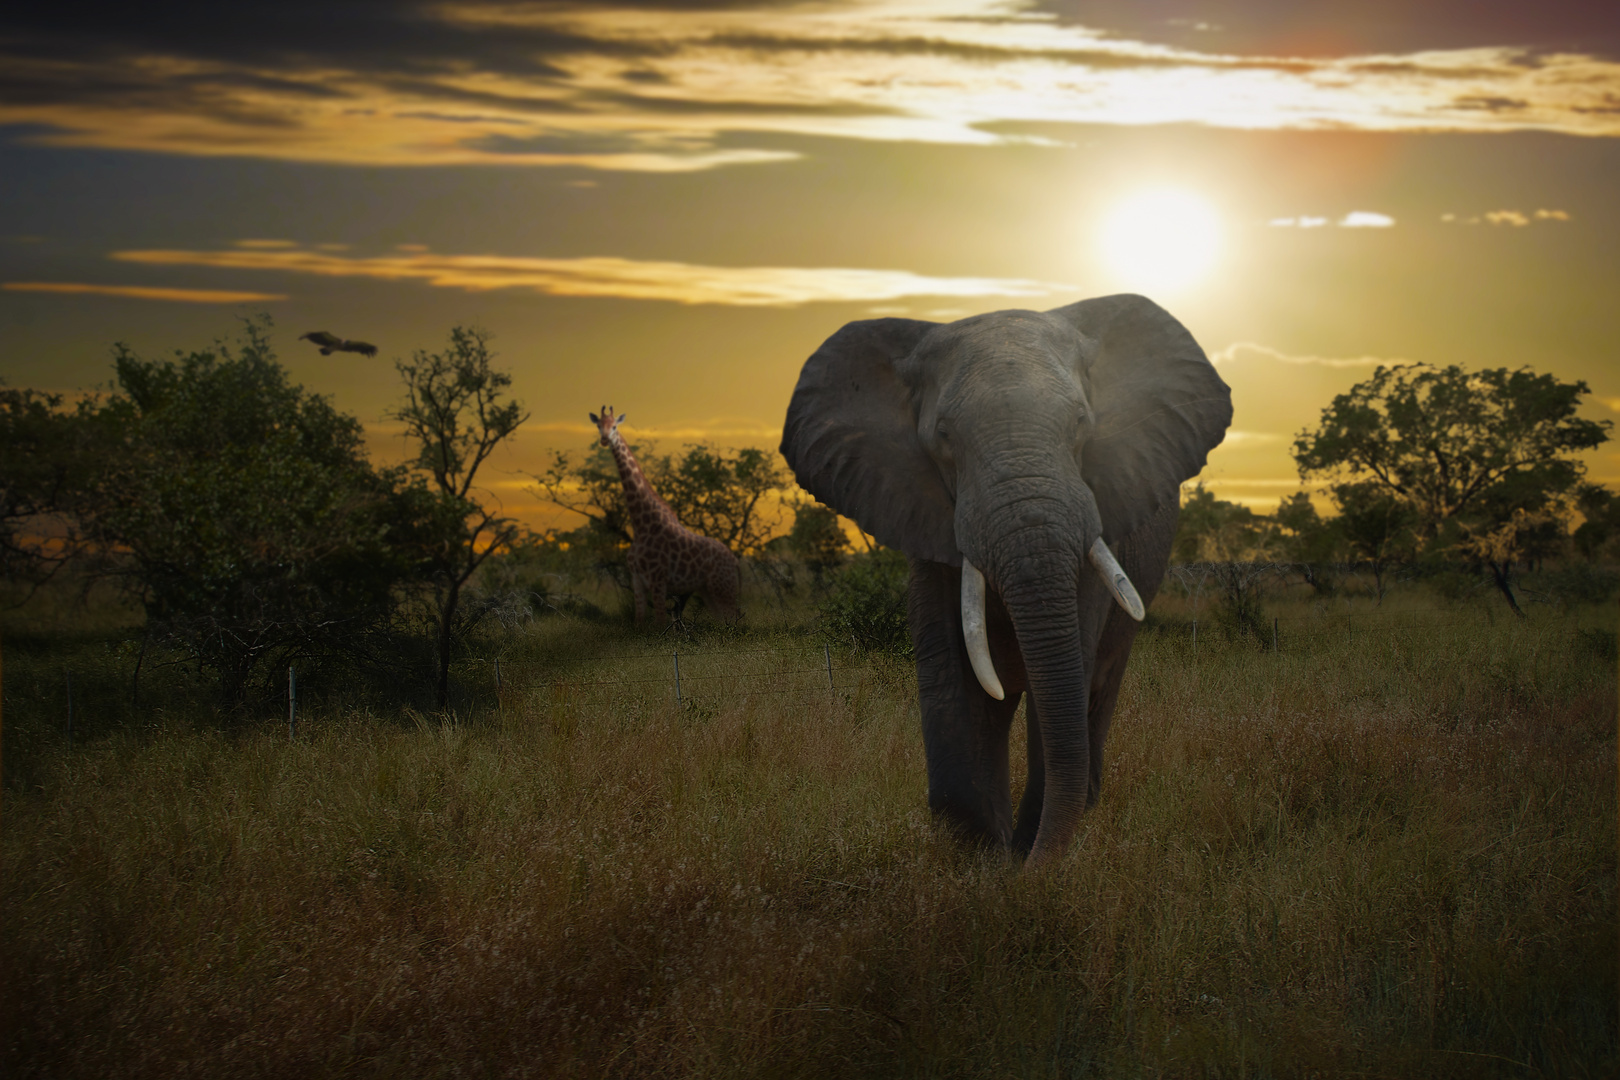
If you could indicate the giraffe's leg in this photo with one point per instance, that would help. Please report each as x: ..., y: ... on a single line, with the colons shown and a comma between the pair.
x: 638, y: 586
x: 655, y: 593
x: 725, y: 590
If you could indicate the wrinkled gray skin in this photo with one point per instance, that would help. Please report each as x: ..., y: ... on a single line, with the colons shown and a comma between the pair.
x: 1015, y: 439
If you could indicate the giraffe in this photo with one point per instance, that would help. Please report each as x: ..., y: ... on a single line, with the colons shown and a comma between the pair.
x: 667, y: 558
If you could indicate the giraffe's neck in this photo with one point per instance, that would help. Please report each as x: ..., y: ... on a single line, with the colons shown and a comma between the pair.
x: 645, y: 505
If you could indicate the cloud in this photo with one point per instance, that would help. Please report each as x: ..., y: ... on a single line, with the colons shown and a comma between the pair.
x: 1241, y: 349
x: 1355, y: 219
x: 1611, y: 402
x: 604, y: 276
x: 680, y: 87
x: 1514, y: 218
x: 1365, y: 219
x: 143, y: 292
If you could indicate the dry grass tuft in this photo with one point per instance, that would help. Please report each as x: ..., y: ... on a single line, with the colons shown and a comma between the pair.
x: 1392, y: 857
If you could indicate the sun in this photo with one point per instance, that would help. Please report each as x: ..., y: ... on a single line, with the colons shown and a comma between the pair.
x: 1161, y: 240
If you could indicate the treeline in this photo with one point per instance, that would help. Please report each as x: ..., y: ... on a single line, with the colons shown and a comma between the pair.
x: 245, y: 518
x: 1460, y: 477
x: 244, y: 515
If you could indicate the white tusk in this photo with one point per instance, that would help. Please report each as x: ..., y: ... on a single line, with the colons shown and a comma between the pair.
x: 978, y: 642
x: 1113, y: 576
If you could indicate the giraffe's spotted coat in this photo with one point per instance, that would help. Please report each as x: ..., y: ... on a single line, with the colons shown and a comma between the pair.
x: 666, y: 558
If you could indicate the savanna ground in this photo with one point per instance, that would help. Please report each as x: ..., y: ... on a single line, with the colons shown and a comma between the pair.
x: 1386, y: 854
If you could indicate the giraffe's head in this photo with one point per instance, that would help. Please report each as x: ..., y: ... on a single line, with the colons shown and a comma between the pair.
x: 605, y: 423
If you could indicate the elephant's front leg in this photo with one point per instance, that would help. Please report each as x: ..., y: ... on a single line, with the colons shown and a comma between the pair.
x: 964, y: 729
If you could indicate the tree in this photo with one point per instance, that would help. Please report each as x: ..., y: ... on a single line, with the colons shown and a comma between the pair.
x: 1473, y: 455
x: 1215, y: 530
x: 866, y: 607
x: 1229, y: 542
x: 48, y: 455
x: 456, y: 410
x: 245, y: 513
x: 723, y: 494
x: 1601, y: 513
x: 713, y: 492
x: 817, y: 539
x: 1376, y: 526
x: 1301, y: 537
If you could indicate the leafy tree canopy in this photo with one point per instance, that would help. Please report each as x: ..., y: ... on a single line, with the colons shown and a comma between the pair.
x: 718, y: 493
x: 457, y: 410
x: 251, y: 521
x: 817, y: 538
x: 1450, y: 442
x: 1477, y: 464
x: 48, y: 458
x: 1215, y: 530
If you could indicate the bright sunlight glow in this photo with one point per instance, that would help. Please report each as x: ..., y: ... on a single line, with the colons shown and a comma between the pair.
x: 1161, y: 240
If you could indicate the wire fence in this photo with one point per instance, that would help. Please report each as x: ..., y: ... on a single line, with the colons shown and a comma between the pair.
x: 791, y: 675
x: 1279, y: 634
x: 692, y: 676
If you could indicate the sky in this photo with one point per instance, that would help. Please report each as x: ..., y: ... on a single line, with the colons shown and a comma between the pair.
x: 668, y: 205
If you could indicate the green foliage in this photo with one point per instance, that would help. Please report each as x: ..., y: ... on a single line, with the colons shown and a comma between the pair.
x: 1215, y: 530
x: 1580, y: 583
x: 718, y: 493
x: 48, y: 458
x: 865, y: 608
x: 1301, y: 537
x: 1596, y: 535
x: 456, y: 409
x: 1483, y: 463
x: 1451, y: 443
x: 251, y: 523
x: 1227, y: 545
x: 1377, y: 527
x: 817, y: 539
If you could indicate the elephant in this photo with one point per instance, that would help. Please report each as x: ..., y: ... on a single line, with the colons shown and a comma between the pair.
x: 1029, y: 465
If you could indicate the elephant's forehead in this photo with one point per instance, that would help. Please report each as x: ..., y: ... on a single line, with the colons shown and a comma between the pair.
x: 1000, y: 334
x: 1009, y: 351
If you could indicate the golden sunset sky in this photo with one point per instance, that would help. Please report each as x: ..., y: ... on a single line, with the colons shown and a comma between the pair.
x: 668, y: 205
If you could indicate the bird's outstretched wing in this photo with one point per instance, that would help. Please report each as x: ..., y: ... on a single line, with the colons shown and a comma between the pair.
x: 330, y: 343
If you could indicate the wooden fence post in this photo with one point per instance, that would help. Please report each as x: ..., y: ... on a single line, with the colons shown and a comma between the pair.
x: 292, y: 702
x: 677, y: 678
x: 67, y: 674
x: 827, y: 651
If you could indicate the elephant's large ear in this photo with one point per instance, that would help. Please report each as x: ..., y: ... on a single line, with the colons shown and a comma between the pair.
x: 851, y: 439
x: 1160, y: 407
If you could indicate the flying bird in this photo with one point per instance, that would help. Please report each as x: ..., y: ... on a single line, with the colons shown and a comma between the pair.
x: 331, y: 343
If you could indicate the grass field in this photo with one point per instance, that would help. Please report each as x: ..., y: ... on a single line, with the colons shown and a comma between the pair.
x: 1387, y: 850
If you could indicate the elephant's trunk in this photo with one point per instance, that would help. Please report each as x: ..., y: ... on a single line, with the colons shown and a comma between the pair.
x: 1035, y: 567
x: 974, y: 628
x: 1042, y: 601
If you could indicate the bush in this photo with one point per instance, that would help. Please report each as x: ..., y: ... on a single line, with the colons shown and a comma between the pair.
x: 865, y: 609
x: 1581, y: 583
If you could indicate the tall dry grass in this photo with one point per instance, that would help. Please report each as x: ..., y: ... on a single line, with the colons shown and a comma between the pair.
x: 1388, y: 857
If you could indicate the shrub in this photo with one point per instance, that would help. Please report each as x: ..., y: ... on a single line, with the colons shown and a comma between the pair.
x: 865, y: 609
